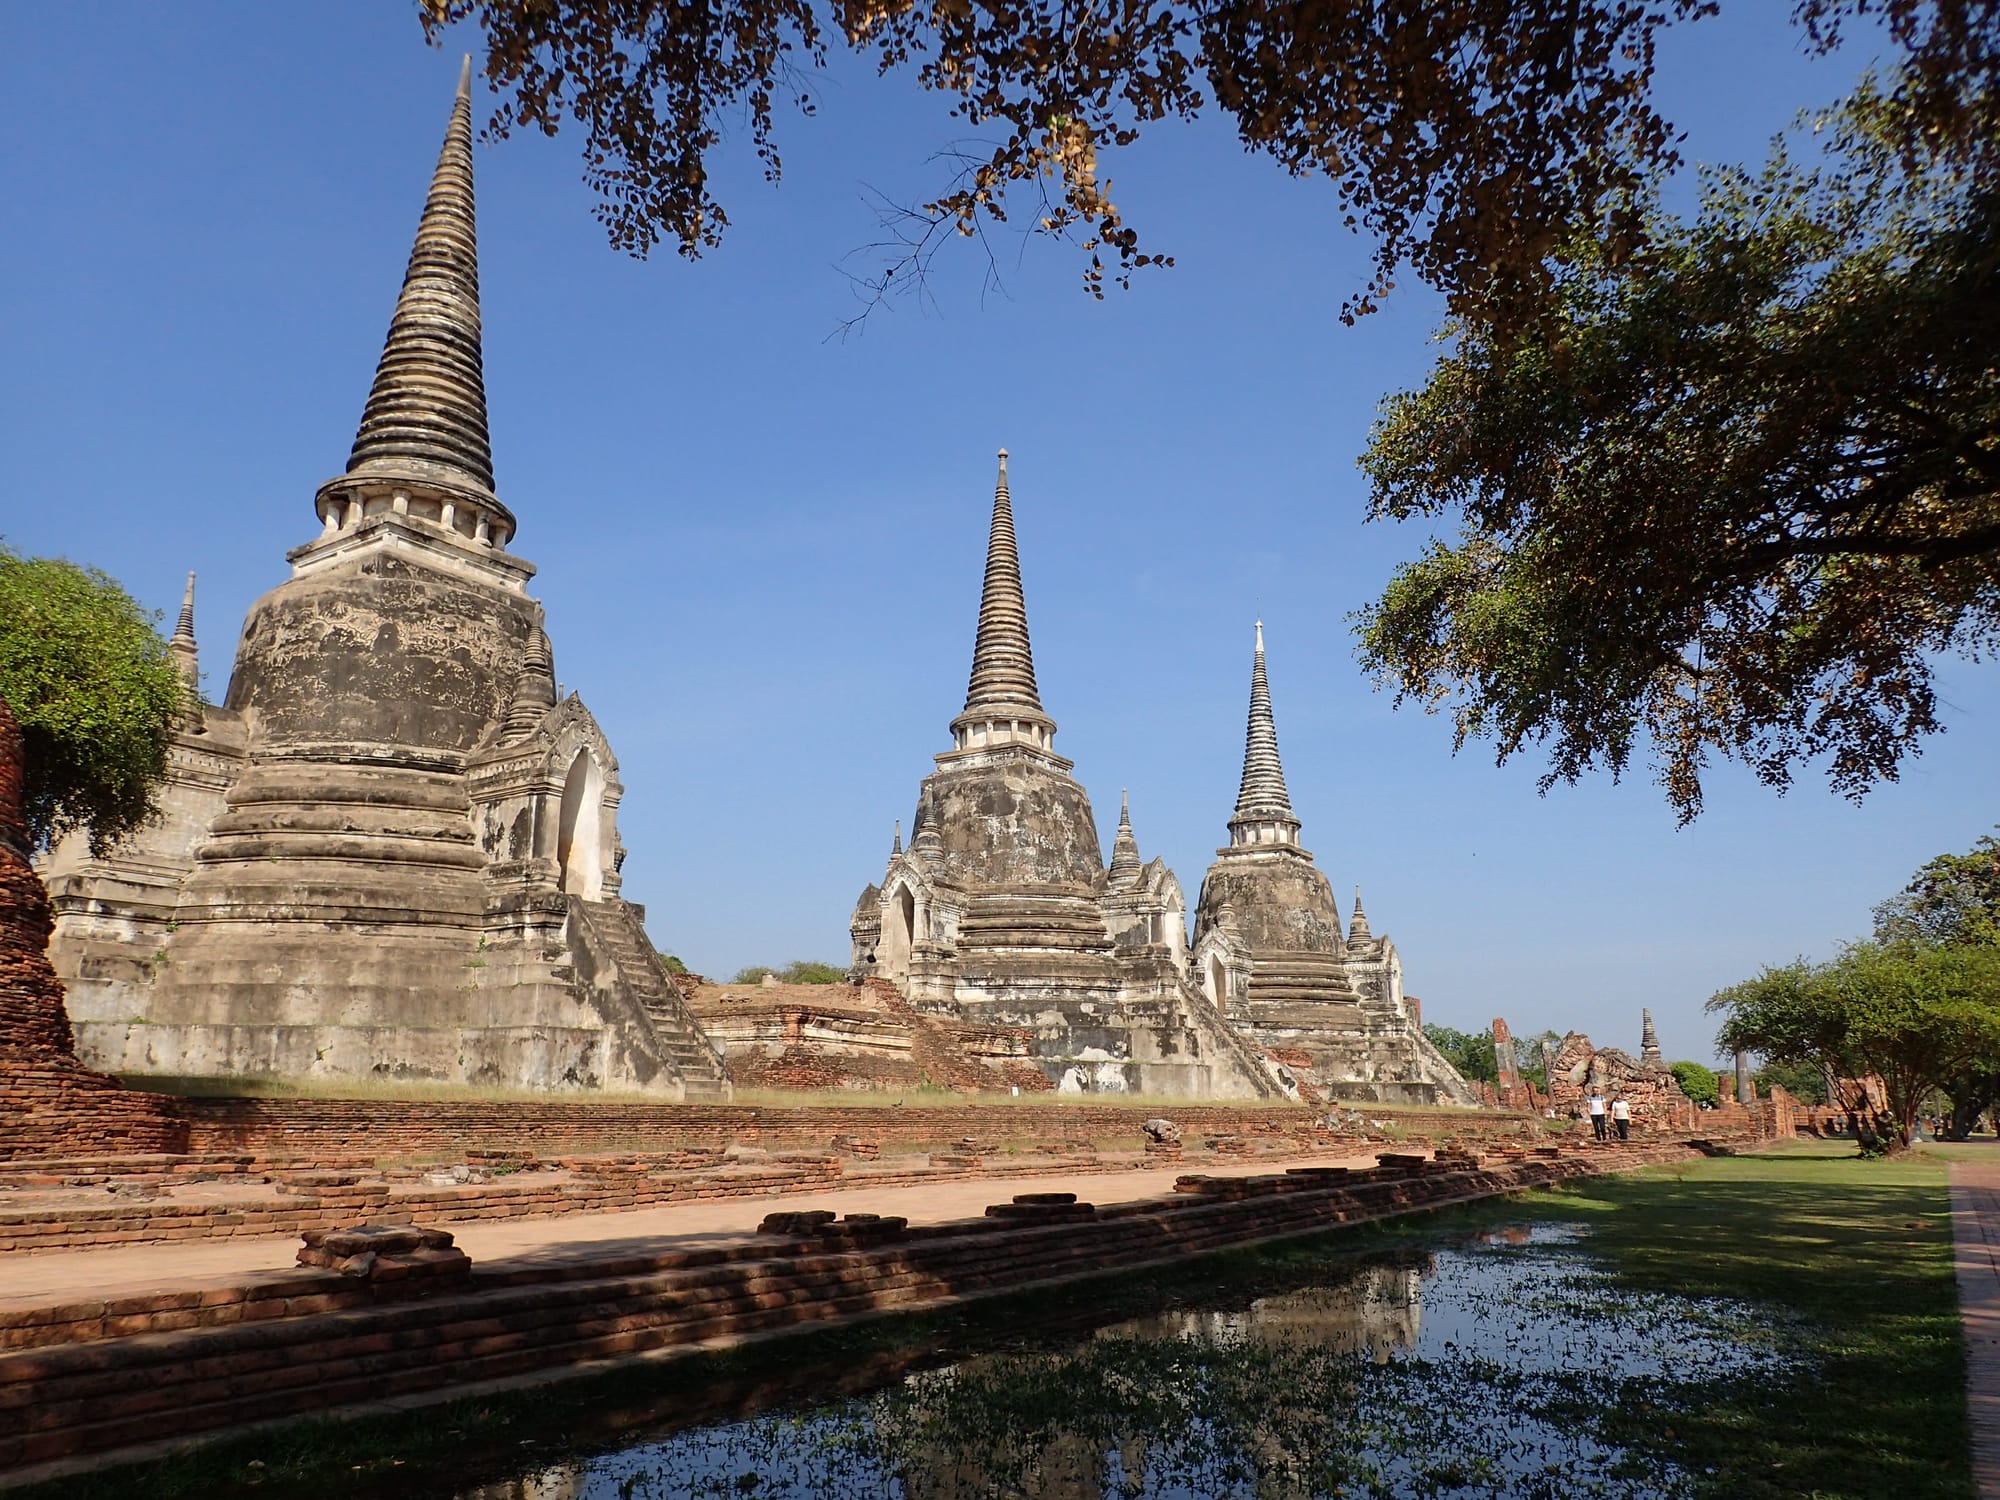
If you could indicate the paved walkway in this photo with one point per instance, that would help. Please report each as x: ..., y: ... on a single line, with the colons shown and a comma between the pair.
x: 1975, y: 1229
x: 64, y: 1275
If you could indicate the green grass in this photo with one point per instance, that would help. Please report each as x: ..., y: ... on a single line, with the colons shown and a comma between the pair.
x: 1854, y: 1256
x: 1985, y: 1148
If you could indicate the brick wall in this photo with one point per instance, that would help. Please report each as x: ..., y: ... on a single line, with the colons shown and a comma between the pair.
x: 391, y: 1128
x: 49, y: 1103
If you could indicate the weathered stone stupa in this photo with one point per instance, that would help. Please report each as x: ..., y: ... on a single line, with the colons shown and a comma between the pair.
x: 1002, y: 911
x: 1269, y: 951
x: 392, y: 850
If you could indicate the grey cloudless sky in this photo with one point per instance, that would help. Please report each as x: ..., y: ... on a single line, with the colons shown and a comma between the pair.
x: 760, y: 547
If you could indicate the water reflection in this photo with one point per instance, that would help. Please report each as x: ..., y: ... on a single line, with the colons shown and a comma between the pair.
x: 1481, y: 1370
x: 558, y: 1482
x: 1375, y: 1314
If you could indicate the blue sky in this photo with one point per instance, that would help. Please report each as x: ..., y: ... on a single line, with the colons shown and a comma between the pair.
x: 760, y: 547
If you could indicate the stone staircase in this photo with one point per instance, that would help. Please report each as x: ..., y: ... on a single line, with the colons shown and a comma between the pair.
x: 617, y: 929
x: 1224, y: 1041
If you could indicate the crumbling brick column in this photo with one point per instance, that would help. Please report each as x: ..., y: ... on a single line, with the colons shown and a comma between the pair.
x: 50, y: 1104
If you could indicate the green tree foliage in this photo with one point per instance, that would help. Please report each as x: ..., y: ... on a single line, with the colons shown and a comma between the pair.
x: 799, y: 971
x: 1697, y: 1082
x: 672, y: 964
x: 1465, y: 137
x: 1953, y: 899
x: 1802, y: 1080
x: 1912, y: 1016
x: 86, y: 672
x: 1739, y: 490
x: 805, y: 971
x: 1529, y: 1058
x: 1457, y: 133
x: 1471, y: 1052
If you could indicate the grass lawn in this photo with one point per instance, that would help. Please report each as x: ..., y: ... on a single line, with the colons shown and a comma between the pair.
x: 1856, y: 1257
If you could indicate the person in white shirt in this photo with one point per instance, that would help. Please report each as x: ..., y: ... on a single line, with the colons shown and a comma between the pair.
x: 1621, y: 1117
x: 1594, y: 1107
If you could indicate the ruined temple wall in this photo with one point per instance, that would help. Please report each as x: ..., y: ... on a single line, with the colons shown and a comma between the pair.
x: 1654, y: 1093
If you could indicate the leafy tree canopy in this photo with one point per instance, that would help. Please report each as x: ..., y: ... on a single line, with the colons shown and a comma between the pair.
x: 1698, y: 1082
x: 1462, y: 135
x: 1803, y: 1081
x: 86, y: 672
x: 1471, y: 1052
x: 672, y: 964
x: 1739, y: 491
x: 805, y: 971
x: 1911, y: 1015
x: 1953, y: 899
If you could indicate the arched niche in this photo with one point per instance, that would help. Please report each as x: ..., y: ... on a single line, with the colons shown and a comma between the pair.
x: 1218, y: 981
x: 580, y: 829
x: 899, y: 931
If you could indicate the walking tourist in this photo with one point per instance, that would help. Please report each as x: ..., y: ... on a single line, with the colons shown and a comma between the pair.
x: 1594, y: 1107
x: 1621, y: 1116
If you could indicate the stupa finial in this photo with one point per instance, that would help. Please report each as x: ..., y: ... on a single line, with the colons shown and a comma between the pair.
x: 1002, y: 688
x: 424, y: 424
x: 1125, y: 863
x: 1262, y: 800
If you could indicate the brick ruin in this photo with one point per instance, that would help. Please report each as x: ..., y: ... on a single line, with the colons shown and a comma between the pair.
x: 858, y: 1036
x: 1578, y: 1068
x: 50, y: 1104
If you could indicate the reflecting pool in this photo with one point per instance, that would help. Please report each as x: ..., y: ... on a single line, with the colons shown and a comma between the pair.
x: 1494, y: 1368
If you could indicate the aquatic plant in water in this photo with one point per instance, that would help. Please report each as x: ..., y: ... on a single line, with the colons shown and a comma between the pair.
x: 1504, y: 1370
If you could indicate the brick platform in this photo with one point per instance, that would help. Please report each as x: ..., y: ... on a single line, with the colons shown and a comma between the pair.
x: 390, y: 1128
x: 287, y: 1198
x: 109, y: 1376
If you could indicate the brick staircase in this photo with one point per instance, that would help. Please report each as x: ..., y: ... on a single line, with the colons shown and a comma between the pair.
x: 615, y: 927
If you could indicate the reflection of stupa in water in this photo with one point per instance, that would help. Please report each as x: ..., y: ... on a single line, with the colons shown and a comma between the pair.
x: 1067, y: 1466
x: 1376, y: 1312
x: 558, y: 1482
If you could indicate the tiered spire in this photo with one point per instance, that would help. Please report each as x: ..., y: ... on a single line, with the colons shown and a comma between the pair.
x: 534, y: 689
x: 1125, y: 862
x: 1357, y: 927
x: 1002, y: 691
x: 187, y: 663
x: 926, y: 840
x: 424, y: 425
x: 896, y: 847
x: 1263, y: 806
x: 1649, y: 1042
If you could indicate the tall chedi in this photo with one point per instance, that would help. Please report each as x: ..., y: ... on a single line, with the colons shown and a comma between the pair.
x: 1002, y: 911
x: 416, y: 868
x: 1269, y: 951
